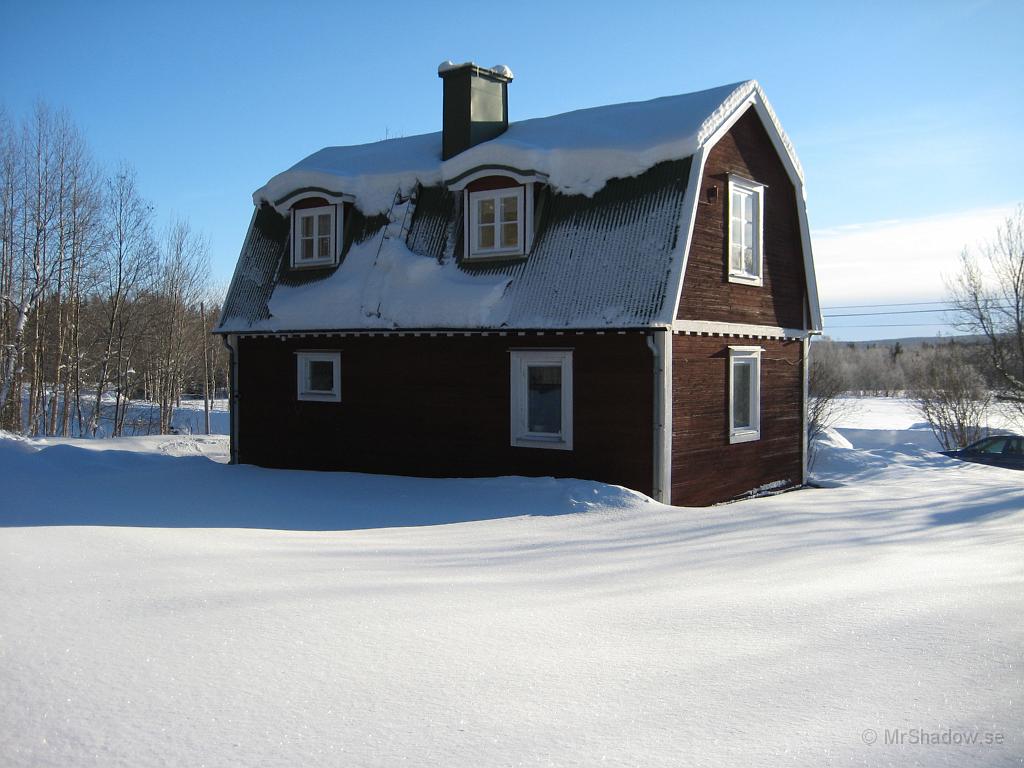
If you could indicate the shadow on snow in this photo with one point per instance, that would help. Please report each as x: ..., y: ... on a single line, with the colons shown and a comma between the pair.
x: 68, y: 485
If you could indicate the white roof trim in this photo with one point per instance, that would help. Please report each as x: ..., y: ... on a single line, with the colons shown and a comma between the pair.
x: 520, y: 177
x: 716, y: 328
x: 796, y: 174
x: 687, y: 218
x: 285, y: 204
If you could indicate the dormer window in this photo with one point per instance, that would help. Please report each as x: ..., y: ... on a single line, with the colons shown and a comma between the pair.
x: 497, y: 223
x: 314, y: 236
x: 746, y: 225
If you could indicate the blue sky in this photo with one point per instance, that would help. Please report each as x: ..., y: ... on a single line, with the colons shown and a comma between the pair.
x: 903, y: 114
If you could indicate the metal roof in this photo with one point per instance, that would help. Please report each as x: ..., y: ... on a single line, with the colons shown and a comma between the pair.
x: 596, y: 262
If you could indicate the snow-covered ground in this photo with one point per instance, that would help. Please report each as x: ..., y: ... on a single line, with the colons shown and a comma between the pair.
x: 160, y: 608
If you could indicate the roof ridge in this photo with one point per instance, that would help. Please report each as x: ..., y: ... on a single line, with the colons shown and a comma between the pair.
x: 577, y: 151
x: 743, y: 92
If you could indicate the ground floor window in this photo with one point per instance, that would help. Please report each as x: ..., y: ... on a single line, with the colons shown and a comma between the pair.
x: 541, y: 389
x: 744, y: 394
x: 319, y: 376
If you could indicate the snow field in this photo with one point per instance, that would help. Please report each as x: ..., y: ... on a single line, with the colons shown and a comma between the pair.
x: 160, y: 608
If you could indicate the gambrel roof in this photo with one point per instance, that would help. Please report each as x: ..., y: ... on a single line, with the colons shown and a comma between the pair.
x: 611, y: 225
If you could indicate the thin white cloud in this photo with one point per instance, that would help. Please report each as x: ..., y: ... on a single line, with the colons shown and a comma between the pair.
x: 897, y: 260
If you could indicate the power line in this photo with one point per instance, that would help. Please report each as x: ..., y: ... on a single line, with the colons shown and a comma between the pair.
x: 914, y: 311
x: 888, y: 325
x: 897, y: 304
x: 895, y: 312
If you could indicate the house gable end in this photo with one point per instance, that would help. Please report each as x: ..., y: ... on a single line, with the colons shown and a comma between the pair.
x: 707, y: 292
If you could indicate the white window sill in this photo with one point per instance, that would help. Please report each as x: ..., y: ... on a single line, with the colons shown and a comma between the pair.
x: 315, y: 264
x: 745, y: 436
x: 745, y: 279
x: 494, y: 255
x: 323, y: 397
x: 541, y: 441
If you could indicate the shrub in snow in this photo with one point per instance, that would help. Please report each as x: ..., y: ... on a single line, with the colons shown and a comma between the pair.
x: 950, y: 394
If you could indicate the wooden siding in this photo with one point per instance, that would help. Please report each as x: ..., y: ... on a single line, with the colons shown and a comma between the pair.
x: 707, y: 293
x: 706, y: 468
x: 439, y: 407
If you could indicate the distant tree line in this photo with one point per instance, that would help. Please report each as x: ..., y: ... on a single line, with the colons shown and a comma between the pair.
x: 894, y: 369
x: 97, y: 307
x: 954, y: 382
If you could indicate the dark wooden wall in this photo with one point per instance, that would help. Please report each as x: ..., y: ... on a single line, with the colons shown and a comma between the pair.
x: 707, y: 294
x: 439, y: 407
x: 706, y: 468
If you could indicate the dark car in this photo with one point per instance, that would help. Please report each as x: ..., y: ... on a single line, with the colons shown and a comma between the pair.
x: 999, y: 450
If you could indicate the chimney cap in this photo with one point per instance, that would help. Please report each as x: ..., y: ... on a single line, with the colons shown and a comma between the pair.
x: 500, y: 72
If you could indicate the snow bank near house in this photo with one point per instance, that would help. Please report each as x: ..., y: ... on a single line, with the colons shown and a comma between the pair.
x: 171, y: 482
x: 559, y: 623
x: 578, y: 151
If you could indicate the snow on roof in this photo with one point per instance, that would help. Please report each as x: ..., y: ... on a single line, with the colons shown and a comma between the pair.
x: 605, y: 254
x: 501, y: 70
x: 600, y: 262
x: 578, y: 152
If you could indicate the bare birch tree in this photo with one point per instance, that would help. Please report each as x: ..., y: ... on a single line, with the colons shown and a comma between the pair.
x: 27, y: 189
x: 988, y: 295
x: 90, y: 305
x: 127, y: 262
x: 184, y: 273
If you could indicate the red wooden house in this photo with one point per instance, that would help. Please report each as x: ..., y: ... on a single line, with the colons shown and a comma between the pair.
x: 622, y: 294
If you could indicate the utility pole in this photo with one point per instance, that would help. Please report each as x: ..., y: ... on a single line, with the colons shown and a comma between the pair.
x: 206, y: 367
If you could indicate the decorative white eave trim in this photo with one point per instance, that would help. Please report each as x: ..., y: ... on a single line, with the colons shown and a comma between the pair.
x: 435, y: 332
x: 284, y: 204
x: 520, y: 176
x: 715, y: 328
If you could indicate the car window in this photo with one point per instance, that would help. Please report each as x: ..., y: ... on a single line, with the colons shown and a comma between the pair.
x: 991, y: 445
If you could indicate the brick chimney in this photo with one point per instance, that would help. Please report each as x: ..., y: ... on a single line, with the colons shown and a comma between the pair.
x: 475, y: 105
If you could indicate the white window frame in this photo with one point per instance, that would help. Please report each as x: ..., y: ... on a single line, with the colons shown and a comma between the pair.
x: 521, y: 361
x: 303, y: 359
x: 745, y: 356
x: 756, y: 191
x: 335, y: 235
x: 525, y: 206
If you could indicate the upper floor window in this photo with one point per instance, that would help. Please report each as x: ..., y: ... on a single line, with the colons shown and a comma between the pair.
x: 746, y: 206
x: 314, y: 236
x: 497, y: 222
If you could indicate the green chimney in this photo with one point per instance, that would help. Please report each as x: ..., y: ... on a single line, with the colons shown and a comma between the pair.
x: 475, y: 105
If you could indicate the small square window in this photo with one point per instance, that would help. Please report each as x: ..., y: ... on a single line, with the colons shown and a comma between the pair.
x: 319, y: 376
x: 541, y: 389
x: 496, y: 223
x: 746, y: 206
x: 744, y: 394
x: 314, y: 236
